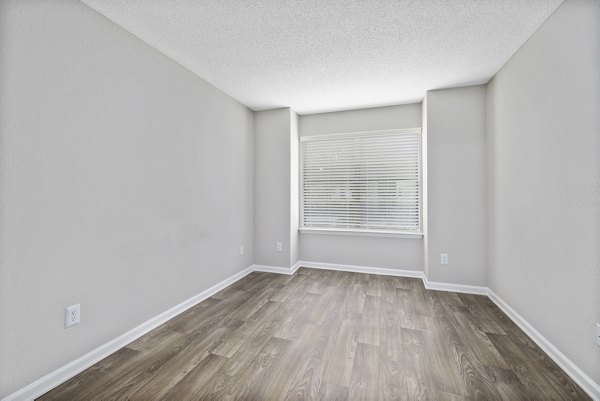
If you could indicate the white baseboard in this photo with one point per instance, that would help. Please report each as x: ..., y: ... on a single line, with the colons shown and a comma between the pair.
x: 276, y: 269
x: 362, y: 269
x: 64, y: 373
x: 578, y: 376
x: 430, y: 285
x: 465, y: 289
x: 61, y: 375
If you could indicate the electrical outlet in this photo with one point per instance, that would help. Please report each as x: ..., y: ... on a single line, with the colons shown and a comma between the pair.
x: 279, y: 247
x: 598, y: 333
x: 72, y: 315
x: 444, y: 258
x: 241, y: 249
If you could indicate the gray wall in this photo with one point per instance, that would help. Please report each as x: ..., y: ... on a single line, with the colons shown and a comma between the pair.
x: 294, y: 188
x: 425, y: 194
x: 125, y: 184
x: 385, y: 252
x: 544, y: 181
x: 455, y: 132
x: 123, y: 174
x: 272, y: 187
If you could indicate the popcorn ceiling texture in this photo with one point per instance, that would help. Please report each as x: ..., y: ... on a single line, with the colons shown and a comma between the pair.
x: 316, y: 55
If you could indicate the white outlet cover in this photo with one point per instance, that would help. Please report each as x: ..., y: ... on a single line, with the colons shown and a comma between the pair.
x: 241, y: 249
x: 279, y: 247
x: 72, y: 315
x: 598, y: 333
x: 444, y: 258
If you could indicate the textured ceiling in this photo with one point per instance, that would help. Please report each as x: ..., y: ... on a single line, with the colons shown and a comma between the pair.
x: 324, y: 55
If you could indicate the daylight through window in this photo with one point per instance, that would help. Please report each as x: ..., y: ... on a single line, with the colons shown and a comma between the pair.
x: 362, y: 182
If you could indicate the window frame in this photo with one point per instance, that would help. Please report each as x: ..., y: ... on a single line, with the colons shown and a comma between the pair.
x: 358, y: 231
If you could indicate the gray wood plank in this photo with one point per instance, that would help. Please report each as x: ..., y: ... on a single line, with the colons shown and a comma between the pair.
x: 329, y: 335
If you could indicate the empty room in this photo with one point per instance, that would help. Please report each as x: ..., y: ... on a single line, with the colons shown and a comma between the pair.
x: 300, y: 200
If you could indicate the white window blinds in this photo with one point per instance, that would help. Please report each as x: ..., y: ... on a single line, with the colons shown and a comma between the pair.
x: 362, y: 182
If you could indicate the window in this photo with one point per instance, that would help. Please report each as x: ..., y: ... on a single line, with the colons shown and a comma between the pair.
x: 366, y: 182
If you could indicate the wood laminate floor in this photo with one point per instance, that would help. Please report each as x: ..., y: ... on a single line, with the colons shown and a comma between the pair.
x: 327, y: 335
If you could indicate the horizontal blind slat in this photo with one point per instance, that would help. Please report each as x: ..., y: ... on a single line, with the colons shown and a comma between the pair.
x: 362, y: 181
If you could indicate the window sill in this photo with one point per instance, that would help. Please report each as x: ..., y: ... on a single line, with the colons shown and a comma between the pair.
x: 364, y: 233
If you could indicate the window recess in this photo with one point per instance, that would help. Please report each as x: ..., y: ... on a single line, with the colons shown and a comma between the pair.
x: 367, y: 182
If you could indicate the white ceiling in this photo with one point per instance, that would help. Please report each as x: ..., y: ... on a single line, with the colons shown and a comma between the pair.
x: 325, y: 55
